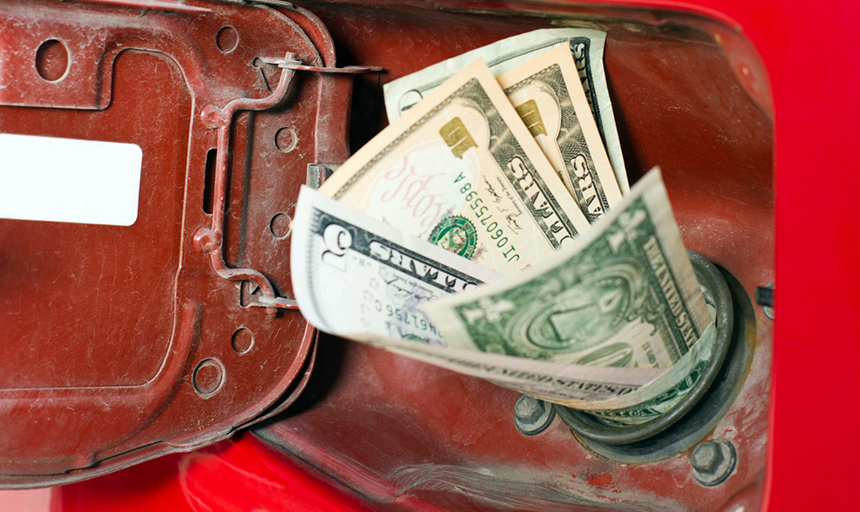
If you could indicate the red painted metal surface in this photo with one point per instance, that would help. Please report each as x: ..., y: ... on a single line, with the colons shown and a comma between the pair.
x: 812, y: 463
x: 811, y: 70
x: 210, y: 239
x: 450, y: 441
x: 121, y: 343
x: 237, y: 474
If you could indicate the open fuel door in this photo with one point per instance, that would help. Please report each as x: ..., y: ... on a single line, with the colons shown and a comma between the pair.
x: 152, y: 155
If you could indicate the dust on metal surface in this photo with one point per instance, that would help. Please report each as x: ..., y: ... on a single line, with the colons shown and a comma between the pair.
x: 441, y: 439
x: 121, y: 343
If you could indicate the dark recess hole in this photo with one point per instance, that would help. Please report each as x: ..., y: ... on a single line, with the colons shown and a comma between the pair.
x: 209, y: 184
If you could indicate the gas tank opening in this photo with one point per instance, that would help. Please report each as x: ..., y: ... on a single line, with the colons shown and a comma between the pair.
x: 711, y: 388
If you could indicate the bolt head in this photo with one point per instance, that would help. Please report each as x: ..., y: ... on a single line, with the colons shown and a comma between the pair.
x: 532, y: 416
x: 706, y: 457
x: 528, y: 409
x: 713, y: 461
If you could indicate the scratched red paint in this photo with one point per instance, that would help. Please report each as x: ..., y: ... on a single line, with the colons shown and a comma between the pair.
x: 600, y: 480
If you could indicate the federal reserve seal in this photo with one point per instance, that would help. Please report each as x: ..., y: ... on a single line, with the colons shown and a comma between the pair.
x: 456, y: 234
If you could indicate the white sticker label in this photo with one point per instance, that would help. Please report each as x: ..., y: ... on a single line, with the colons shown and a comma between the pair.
x: 69, y: 180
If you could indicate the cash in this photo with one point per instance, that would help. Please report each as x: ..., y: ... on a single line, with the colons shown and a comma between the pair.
x: 624, y: 295
x: 359, y: 278
x: 650, y: 402
x: 547, y: 94
x: 356, y: 275
x: 461, y: 170
x: 484, y: 231
x: 587, y: 48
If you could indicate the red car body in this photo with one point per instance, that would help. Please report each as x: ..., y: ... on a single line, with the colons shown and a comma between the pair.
x: 812, y: 75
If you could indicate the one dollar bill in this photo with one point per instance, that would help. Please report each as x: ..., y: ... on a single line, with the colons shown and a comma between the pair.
x: 587, y: 48
x: 623, y: 296
x: 548, y: 95
x: 661, y: 395
x: 461, y: 170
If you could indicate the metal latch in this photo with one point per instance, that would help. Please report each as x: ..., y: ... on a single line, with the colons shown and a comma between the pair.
x: 211, y: 239
x: 298, y: 66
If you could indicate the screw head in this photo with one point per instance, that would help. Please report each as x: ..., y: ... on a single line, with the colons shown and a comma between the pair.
x: 532, y: 416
